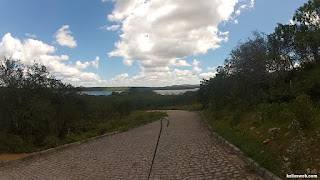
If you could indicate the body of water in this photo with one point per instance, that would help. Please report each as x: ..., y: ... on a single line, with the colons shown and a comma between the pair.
x: 174, y: 92
x: 162, y: 92
x: 99, y: 93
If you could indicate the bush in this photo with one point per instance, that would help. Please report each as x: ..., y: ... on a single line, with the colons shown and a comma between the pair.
x: 51, y: 141
x: 304, y: 110
x: 17, y: 144
x: 276, y: 112
x: 236, y: 118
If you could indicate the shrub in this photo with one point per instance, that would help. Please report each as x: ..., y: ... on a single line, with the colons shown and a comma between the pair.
x: 276, y: 112
x: 236, y: 118
x: 304, y: 110
x: 17, y: 144
x: 50, y: 141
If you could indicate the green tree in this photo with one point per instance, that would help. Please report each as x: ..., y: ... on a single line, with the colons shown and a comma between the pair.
x: 307, y: 40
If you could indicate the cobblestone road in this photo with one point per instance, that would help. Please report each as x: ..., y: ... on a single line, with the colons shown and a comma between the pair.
x: 185, y: 151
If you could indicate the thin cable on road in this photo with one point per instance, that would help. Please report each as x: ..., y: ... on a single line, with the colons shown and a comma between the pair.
x: 155, y: 151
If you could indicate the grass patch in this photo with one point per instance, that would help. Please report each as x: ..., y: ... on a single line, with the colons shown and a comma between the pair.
x: 189, y: 107
x: 116, y: 89
x: 247, y: 130
x: 16, y: 144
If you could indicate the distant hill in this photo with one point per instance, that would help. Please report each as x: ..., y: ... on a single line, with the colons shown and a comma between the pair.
x: 104, y: 88
x: 174, y: 87
x: 177, y: 87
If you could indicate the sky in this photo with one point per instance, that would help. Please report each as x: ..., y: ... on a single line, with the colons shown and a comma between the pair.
x: 133, y: 42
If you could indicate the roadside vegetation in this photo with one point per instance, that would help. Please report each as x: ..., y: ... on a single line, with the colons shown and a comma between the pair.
x: 37, y: 111
x: 266, y: 97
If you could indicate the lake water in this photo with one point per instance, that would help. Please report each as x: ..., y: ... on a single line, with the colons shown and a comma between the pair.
x: 99, y: 93
x: 174, y: 92
x: 162, y: 92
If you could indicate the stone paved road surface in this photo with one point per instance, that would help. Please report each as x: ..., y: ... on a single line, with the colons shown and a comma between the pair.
x: 185, y: 151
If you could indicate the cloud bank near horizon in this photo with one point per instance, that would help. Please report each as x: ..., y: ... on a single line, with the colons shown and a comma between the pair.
x: 157, y: 35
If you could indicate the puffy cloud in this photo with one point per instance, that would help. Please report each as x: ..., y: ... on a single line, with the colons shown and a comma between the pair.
x: 157, y: 76
x: 120, y: 78
x: 207, y: 75
x: 163, y: 76
x: 30, y: 51
x: 244, y: 7
x: 30, y: 35
x: 158, y: 34
x: 238, y: 12
x: 162, y: 31
x: 64, y: 37
x: 80, y: 65
x: 95, y: 63
x: 196, y: 68
x: 196, y: 62
x: 182, y: 63
x: 212, y: 68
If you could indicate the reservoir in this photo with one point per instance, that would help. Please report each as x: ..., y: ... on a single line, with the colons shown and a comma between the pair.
x: 174, y: 92
x: 161, y: 92
x: 99, y: 93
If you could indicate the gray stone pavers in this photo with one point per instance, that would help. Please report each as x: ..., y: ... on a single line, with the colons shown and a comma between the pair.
x: 186, y: 151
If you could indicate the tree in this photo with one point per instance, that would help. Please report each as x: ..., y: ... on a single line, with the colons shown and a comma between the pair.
x: 307, y: 39
x: 32, y: 101
x: 282, y: 55
x: 249, y: 60
x: 11, y: 73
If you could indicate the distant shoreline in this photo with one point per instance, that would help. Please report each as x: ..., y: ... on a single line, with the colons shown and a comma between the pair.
x: 174, y: 87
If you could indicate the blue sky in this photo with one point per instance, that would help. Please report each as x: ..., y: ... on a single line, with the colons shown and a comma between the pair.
x: 161, y: 42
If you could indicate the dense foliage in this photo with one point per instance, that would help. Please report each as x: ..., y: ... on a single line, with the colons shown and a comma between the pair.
x: 34, y: 105
x: 282, y: 67
x: 39, y: 111
x: 272, y: 82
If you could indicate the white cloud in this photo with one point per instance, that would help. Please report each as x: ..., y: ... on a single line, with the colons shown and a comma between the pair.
x: 157, y: 76
x: 212, y: 68
x: 95, y: 63
x: 113, y: 27
x: 158, y: 34
x: 28, y: 51
x: 207, y: 75
x: 196, y: 69
x: 196, y: 62
x: 291, y: 22
x: 30, y: 35
x: 245, y: 6
x: 31, y: 50
x: 161, y: 31
x: 110, y: 28
x: 64, y: 37
x: 120, y: 78
x: 182, y: 63
x: 80, y: 65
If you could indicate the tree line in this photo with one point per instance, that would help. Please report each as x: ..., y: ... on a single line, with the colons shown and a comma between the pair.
x: 268, y: 70
x: 39, y: 111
